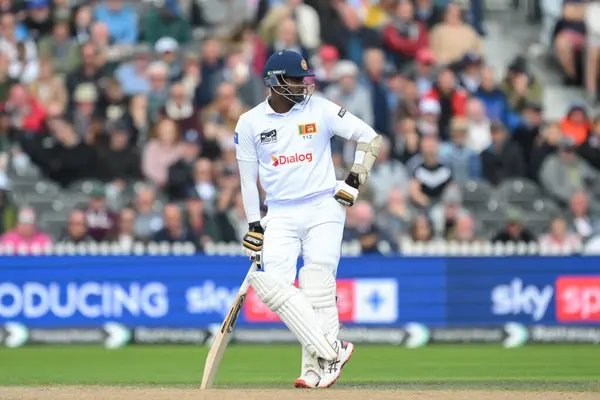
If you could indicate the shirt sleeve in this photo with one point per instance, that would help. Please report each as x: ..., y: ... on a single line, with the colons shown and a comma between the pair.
x: 250, y: 194
x: 347, y: 125
x: 245, y: 150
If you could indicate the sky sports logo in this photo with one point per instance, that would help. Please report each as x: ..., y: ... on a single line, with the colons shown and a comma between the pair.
x: 293, y: 159
x: 576, y: 299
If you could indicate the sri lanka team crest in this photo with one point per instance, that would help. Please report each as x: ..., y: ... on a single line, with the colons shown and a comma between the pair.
x: 304, y: 65
x: 307, y: 129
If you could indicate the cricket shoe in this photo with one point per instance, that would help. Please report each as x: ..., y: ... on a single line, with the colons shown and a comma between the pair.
x: 329, y: 370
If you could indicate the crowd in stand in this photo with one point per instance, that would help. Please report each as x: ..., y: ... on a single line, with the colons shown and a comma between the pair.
x: 121, y: 92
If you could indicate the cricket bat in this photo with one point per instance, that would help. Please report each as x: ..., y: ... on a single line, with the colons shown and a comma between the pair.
x: 217, y: 349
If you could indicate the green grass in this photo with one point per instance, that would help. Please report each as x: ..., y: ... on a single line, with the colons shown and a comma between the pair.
x: 465, y: 366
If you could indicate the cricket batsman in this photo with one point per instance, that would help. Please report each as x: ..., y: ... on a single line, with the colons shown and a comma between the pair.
x: 285, y: 141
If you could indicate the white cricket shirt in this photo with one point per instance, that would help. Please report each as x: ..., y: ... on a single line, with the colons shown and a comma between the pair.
x: 293, y: 150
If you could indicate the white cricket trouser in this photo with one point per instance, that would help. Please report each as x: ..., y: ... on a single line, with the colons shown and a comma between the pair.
x: 314, y: 227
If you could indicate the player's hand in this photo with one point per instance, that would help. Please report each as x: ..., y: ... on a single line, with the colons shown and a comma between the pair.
x: 253, y: 241
x: 345, y: 194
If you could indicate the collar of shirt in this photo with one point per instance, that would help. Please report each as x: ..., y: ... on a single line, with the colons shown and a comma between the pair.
x: 269, y: 110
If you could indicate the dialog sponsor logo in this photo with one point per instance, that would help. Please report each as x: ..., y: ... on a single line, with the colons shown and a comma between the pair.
x: 517, y: 298
x: 578, y: 298
x: 90, y: 299
x: 293, y: 159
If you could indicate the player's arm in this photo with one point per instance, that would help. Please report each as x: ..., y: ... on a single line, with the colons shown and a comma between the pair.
x: 350, y: 127
x: 245, y: 150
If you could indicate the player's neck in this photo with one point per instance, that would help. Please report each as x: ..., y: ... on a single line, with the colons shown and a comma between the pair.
x: 280, y: 107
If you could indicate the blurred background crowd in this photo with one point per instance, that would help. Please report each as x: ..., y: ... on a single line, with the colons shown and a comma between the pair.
x: 117, y: 118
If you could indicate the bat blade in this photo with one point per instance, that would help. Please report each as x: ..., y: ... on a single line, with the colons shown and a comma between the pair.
x: 217, y: 349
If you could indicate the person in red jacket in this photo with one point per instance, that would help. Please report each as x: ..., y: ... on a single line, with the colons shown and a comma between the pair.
x: 404, y: 36
x: 26, y: 113
x: 452, y: 99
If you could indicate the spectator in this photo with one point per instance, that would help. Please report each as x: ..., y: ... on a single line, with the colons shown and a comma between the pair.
x: 89, y: 72
x: 8, y: 211
x: 26, y: 237
x: 452, y: 100
x: 420, y: 230
x: 249, y: 86
x: 167, y: 49
x: 396, y: 216
x: 494, y: 100
x: 80, y: 29
x: 158, y: 76
x: 161, y: 152
x: 102, y: 223
x: 423, y: 71
x: 125, y: 235
x: 463, y: 161
x: 464, y: 230
x: 565, y: 173
x: 580, y: 220
x: 60, y: 47
x: 166, y: 21
x: 521, y: 86
x: 147, y: 219
x: 175, y: 230
x: 113, y: 108
x: 589, y: 150
x: 408, y: 104
x: 444, y: 216
x: 374, y: 60
x: 406, y: 141
x: 210, y: 72
x: 545, y: 145
x: 121, y: 161
x: 77, y: 231
x: 191, y: 74
x: 14, y: 34
x: 404, y: 36
x: 25, y: 67
x: 504, y: 159
x: 48, y: 88
x: 201, y: 224
x: 181, y: 174
x: 121, y: 20
x: 479, y: 131
x: 559, y: 236
x: 470, y: 72
x: 133, y: 76
x: 428, y: 12
x: 304, y: 15
x: 347, y: 93
x: 180, y: 108
x: 25, y: 111
x: 429, y: 117
x: 576, y: 123
x: 527, y: 132
x: 83, y: 113
x: 286, y: 38
x: 325, y: 73
x: 6, y: 82
x: 225, y: 109
x: 39, y: 18
x: 514, y: 230
x: 452, y: 38
x: 204, y: 185
x: 386, y: 174
x: 429, y: 175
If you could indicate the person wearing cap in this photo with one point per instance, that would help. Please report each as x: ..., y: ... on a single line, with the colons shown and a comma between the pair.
x: 464, y: 162
x: 423, y: 71
x: 25, y: 236
x: 167, y: 49
x: 590, y: 149
x: 576, y: 124
x: 514, y: 231
x: 521, y: 85
x: 121, y: 19
x: 503, y: 159
x: 59, y: 46
x: 347, y: 92
x: 404, y: 36
x: 39, y: 18
x: 181, y: 172
x: 166, y: 20
x: 85, y: 99
x: 527, y: 132
x: 452, y: 100
x: 469, y: 76
x: 429, y: 117
x: 565, y: 173
x: 101, y: 221
x: 445, y: 215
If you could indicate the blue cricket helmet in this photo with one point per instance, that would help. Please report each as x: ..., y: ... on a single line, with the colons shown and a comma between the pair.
x: 286, y: 63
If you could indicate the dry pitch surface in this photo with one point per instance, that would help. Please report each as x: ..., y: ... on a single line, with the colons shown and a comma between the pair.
x: 157, y: 393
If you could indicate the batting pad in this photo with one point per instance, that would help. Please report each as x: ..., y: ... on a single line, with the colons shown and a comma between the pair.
x: 296, y: 312
x: 319, y: 287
